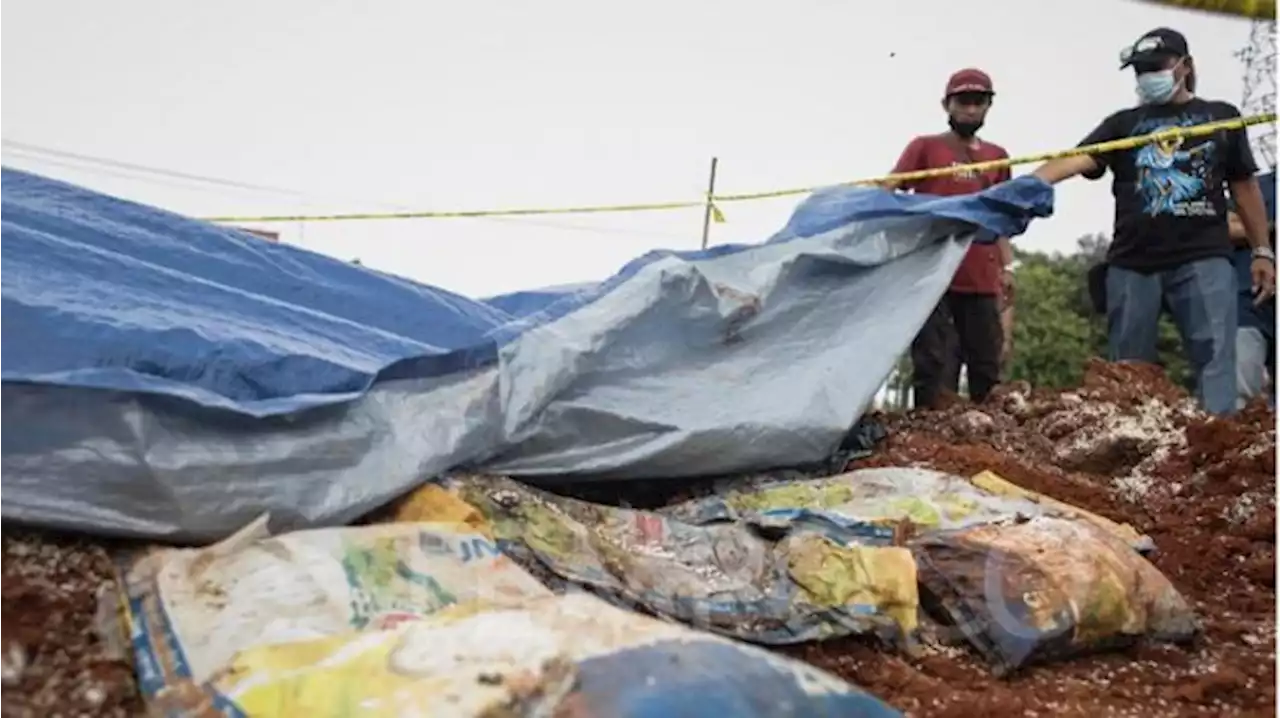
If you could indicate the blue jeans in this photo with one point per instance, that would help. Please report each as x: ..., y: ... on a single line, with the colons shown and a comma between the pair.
x: 1253, y: 365
x: 1202, y: 298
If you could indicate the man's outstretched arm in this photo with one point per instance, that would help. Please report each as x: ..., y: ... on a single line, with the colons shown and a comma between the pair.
x: 1055, y: 171
x: 1091, y: 166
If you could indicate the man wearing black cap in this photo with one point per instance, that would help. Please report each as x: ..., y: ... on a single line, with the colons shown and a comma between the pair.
x: 1171, y: 244
x: 966, y: 327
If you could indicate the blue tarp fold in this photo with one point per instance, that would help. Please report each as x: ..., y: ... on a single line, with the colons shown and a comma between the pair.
x: 170, y: 378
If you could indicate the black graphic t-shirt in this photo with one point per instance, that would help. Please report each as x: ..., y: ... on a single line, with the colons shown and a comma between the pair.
x: 1171, y: 207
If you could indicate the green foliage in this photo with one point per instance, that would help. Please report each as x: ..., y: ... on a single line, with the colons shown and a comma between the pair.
x: 1052, y: 338
x: 1055, y: 329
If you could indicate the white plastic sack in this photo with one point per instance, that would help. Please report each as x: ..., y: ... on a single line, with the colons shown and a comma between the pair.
x: 428, y: 619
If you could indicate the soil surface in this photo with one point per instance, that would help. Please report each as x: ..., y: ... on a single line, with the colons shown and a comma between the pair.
x: 53, y: 661
x: 1127, y: 445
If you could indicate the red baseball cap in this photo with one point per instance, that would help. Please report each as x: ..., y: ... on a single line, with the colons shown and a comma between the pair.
x: 970, y: 79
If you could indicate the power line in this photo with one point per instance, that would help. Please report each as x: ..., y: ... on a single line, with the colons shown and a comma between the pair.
x: 165, y: 177
x: 23, y: 159
x: 135, y: 167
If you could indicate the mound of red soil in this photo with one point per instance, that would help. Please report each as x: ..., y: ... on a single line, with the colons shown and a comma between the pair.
x: 1130, y: 446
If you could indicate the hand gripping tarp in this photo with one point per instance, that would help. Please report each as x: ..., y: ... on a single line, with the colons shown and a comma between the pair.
x: 170, y: 378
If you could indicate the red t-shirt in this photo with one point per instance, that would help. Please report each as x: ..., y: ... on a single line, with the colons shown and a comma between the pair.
x: 980, y: 271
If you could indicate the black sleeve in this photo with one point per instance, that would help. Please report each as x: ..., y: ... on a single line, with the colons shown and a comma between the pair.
x: 1240, y: 164
x: 1107, y: 131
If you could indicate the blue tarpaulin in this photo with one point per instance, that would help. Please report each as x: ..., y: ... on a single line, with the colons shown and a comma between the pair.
x: 171, y: 378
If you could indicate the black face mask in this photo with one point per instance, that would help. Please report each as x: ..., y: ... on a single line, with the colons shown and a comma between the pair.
x: 964, y: 129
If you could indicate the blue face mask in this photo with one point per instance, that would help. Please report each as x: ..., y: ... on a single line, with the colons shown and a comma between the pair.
x: 1157, y: 88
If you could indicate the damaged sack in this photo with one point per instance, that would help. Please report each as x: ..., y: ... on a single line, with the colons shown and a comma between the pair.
x: 1047, y: 588
x: 764, y: 586
x: 427, y: 619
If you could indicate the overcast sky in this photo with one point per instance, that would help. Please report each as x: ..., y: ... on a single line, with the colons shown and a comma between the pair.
x: 435, y: 105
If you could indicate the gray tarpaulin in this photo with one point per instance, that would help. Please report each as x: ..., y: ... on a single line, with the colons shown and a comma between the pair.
x: 168, y: 378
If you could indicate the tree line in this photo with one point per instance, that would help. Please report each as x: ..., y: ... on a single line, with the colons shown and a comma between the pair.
x: 1055, y: 328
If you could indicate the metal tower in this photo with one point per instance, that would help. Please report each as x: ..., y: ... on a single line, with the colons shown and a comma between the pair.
x: 1259, y: 60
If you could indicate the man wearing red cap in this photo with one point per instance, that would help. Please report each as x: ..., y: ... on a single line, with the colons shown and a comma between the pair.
x: 965, y: 328
x: 1171, y: 243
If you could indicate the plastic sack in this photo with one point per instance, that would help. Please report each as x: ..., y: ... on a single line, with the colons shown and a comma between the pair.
x: 993, y: 483
x: 869, y: 504
x: 564, y: 655
x: 768, y: 587
x: 420, y: 620
x: 189, y: 611
x: 1047, y: 588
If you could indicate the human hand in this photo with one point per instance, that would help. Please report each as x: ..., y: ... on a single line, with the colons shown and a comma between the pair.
x: 1263, y: 271
x: 1007, y: 285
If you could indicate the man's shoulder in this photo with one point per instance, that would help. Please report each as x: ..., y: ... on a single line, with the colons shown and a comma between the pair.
x: 947, y: 140
x: 1129, y: 117
x: 928, y: 149
x: 993, y: 150
x: 933, y: 139
x: 1217, y: 108
x: 1125, y: 117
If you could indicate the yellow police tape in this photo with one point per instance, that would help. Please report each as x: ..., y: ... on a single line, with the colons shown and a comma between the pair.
x: 1255, y: 9
x: 1101, y: 148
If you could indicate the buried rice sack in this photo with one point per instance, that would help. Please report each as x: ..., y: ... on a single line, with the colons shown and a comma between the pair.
x: 190, y: 611
x: 773, y: 587
x: 571, y: 655
x: 1047, y: 588
x: 419, y: 619
x: 868, y: 504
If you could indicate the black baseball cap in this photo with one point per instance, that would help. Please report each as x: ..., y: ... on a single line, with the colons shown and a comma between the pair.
x: 1154, y: 46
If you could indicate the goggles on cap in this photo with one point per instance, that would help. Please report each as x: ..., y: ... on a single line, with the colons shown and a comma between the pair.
x: 1144, y: 46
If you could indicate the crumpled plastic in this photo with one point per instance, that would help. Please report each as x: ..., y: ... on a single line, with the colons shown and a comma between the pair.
x: 1047, y: 588
x: 731, y: 578
x: 762, y: 560
x: 563, y: 655
x: 868, y: 504
x: 427, y: 619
